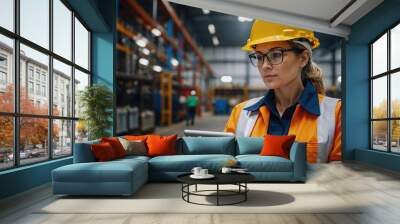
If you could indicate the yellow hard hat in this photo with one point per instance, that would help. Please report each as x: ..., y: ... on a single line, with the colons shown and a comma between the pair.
x: 263, y: 32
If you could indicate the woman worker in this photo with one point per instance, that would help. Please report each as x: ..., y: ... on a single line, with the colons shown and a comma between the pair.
x: 295, y: 103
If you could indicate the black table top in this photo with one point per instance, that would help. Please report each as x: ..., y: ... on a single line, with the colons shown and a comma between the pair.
x: 220, y: 178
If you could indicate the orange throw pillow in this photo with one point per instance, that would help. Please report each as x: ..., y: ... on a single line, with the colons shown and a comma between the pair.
x: 135, y: 137
x: 161, y: 145
x: 103, y: 151
x: 277, y: 145
x: 116, y: 145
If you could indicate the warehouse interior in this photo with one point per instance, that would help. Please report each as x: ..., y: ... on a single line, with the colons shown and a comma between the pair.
x: 203, y: 55
x: 174, y: 67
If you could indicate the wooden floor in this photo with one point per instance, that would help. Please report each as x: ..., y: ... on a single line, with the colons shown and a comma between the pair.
x: 378, y: 189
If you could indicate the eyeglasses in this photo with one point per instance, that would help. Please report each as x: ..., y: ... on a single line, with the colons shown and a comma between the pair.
x: 274, y: 56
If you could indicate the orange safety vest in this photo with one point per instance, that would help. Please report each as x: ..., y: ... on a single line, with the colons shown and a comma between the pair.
x: 322, y: 134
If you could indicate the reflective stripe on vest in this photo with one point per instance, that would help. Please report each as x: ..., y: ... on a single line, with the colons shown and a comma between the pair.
x: 325, y: 127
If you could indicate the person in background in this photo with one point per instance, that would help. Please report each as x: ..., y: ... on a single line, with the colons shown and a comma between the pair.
x: 191, y: 105
x: 295, y: 102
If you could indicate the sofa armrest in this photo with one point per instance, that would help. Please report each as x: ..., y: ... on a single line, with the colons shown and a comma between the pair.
x: 299, y: 159
x: 83, y: 152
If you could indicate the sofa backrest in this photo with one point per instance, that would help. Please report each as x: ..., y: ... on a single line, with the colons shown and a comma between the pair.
x: 83, y: 152
x: 206, y: 145
x: 249, y: 145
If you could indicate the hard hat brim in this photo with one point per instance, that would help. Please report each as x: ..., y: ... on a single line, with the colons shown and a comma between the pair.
x: 250, y: 45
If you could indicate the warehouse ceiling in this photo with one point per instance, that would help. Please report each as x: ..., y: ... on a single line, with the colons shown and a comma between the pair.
x: 228, y: 29
x: 332, y: 17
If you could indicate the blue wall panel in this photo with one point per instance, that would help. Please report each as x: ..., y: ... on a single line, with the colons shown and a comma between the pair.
x: 357, y: 84
x: 24, y: 178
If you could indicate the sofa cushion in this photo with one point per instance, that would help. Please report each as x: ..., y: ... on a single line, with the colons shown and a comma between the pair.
x: 277, y: 145
x: 103, y: 152
x: 257, y: 163
x: 207, y: 145
x: 134, y: 147
x: 135, y: 137
x: 249, y: 145
x: 161, y: 145
x: 116, y: 145
x: 132, y: 158
x: 185, y: 163
x: 111, y: 171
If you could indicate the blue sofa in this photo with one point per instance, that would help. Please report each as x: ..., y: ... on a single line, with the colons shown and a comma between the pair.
x: 125, y: 176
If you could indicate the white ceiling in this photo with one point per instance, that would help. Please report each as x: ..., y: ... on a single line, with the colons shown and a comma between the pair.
x: 316, y: 15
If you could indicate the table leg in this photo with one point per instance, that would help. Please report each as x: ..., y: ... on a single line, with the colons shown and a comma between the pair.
x: 245, y: 193
x: 217, y: 194
x: 188, y: 189
x: 196, y: 188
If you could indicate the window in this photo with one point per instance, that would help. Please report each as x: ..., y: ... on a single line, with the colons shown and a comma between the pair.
x: 3, y: 61
x: 81, y: 45
x: 385, y: 97
x: 62, y: 74
x: 53, y: 133
x: 7, y: 14
x: 38, y: 89
x: 81, y: 81
x: 30, y: 87
x: 43, y: 77
x: 44, y: 91
x: 3, y: 78
x: 6, y: 73
x: 30, y: 72
x: 62, y: 29
x: 6, y: 142
x: 3, y: 72
x: 62, y: 140
x: 37, y: 74
x: 34, y: 21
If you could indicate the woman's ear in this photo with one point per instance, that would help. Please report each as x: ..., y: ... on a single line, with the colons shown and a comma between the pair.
x: 304, y: 58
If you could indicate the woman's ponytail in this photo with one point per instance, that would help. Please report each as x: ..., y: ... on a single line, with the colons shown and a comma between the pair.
x: 313, y: 73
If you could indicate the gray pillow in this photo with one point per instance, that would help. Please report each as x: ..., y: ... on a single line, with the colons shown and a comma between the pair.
x: 135, y: 147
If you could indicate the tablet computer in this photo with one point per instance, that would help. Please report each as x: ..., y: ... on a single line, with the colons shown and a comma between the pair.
x: 202, y: 133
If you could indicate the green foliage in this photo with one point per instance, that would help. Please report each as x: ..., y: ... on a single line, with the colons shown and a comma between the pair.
x: 96, y: 102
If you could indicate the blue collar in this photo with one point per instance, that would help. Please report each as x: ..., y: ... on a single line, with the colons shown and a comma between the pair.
x: 308, y: 100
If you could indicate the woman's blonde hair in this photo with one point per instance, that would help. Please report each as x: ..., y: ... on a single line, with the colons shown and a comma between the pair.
x: 311, y: 71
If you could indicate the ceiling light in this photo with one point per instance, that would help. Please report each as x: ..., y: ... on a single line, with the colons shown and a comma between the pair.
x: 156, y: 32
x: 144, y: 61
x: 226, y: 78
x: 339, y: 79
x: 142, y: 42
x: 146, y: 51
x: 211, y: 28
x: 174, y: 62
x: 244, y: 19
x: 215, y: 40
x: 206, y: 12
x: 157, y: 68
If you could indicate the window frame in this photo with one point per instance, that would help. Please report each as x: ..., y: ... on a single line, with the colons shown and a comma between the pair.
x: 16, y: 114
x: 388, y: 74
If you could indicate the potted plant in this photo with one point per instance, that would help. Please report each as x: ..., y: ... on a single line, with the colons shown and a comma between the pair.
x: 96, y: 103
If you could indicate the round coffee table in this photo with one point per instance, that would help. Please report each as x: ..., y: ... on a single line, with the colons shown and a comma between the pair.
x: 238, y: 179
